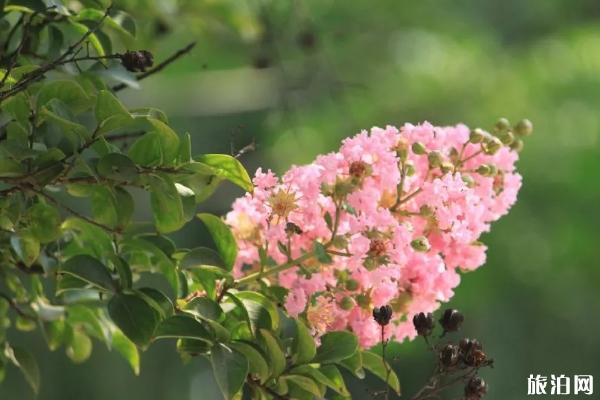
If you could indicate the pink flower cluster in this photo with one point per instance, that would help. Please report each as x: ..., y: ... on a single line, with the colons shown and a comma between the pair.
x: 391, y: 218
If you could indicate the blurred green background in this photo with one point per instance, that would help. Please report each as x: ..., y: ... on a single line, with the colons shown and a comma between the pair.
x: 296, y: 77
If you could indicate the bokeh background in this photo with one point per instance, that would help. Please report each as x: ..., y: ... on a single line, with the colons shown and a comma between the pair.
x: 296, y: 77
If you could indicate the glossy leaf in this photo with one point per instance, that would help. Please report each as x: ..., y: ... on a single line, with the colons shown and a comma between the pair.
x: 377, y: 366
x: 134, y: 316
x: 90, y: 270
x: 228, y: 167
x: 223, y: 238
x: 230, y: 369
x: 336, y: 346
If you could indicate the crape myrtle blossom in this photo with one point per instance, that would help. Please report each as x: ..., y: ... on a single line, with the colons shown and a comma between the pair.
x: 392, y: 218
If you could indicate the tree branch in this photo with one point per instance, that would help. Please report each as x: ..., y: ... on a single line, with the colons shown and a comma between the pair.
x: 159, y: 67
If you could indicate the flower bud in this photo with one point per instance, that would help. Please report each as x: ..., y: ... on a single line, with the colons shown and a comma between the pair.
x: 435, y: 159
x: 409, y: 168
x: 502, y: 124
x: 377, y: 248
x: 492, y: 145
x: 420, y: 244
x: 419, y: 148
x: 506, y: 137
x: 351, y: 284
x: 449, y: 355
x: 517, y: 145
x: 423, y: 323
x: 524, y: 128
x: 451, y: 320
x: 468, y: 180
x: 446, y: 167
x: 476, y: 136
x: 382, y: 315
x: 402, y: 149
x: 484, y: 170
x: 425, y: 210
x: 347, y: 303
x: 475, y: 389
x: 363, y: 300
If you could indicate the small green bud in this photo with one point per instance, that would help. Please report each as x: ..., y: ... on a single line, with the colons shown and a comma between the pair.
x: 492, y: 146
x: 476, y: 136
x: 502, y: 124
x: 419, y: 148
x: 409, y: 168
x: 402, y: 149
x: 347, y: 303
x: 435, y: 159
x: 524, y: 127
x: 468, y: 180
x: 483, y: 169
x: 446, y: 167
x: 506, y: 137
x: 420, y: 244
x: 351, y: 284
x: 364, y: 301
x: 517, y: 145
x: 426, y: 211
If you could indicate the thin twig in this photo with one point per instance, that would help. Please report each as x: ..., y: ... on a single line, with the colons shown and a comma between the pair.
x: 13, y: 304
x: 179, y: 53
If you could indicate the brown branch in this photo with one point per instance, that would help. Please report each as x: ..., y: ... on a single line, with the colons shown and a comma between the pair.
x: 15, y: 306
x: 38, y: 73
x: 159, y: 67
x: 73, y: 212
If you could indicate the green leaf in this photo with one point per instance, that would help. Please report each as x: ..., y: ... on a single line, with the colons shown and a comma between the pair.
x: 67, y: 91
x: 125, y: 206
x: 158, y: 300
x: 92, y: 14
x: 304, y: 344
x: 104, y: 205
x: 228, y: 167
x: 25, y: 361
x: 108, y: 105
x: 135, y: 317
x: 336, y: 346
x: 230, y: 369
x: 303, y: 383
x: 10, y: 168
x: 321, y: 253
x: 157, y: 147
x: 45, y: 222
x: 223, y: 238
x: 118, y: 167
x: 262, y: 312
x: 26, y: 246
x: 80, y: 30
x: 167, y: 209
x: 90, y: 270
x: 354, y: 365
x: 200, y: 256
x: 127, y: 349
x: 257, y: 363
x: 336, y: 380
x: 79, y: 348
x: 185, y: 149
x: 74, y: 130
x: 273, y: 352
x: 182, y: 327
x: 375, y: 364
x: 205, y: 308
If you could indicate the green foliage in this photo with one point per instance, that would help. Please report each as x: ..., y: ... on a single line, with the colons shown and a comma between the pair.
x: 74, y: 163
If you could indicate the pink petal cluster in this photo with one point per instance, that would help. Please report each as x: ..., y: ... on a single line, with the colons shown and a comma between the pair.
x: 399, y: 224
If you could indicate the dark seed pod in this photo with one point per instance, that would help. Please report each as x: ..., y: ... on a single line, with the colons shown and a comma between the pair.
x: 382, y: 315
x: 423, y: 323
x: 449, y: 355
x: 451, y: 320
x: 137, y: 60
x: 291, y: 229
x: 475, y: 389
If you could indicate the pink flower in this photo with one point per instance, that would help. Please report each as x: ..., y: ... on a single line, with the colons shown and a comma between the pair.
x: 396, y: 223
